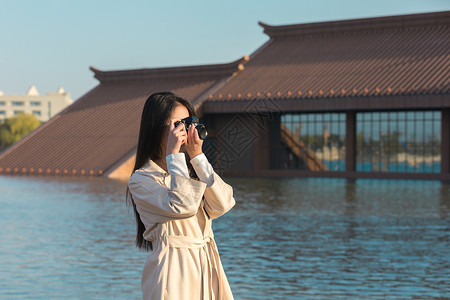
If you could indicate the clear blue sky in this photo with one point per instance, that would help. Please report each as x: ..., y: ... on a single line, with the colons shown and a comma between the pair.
x: 52, y: 43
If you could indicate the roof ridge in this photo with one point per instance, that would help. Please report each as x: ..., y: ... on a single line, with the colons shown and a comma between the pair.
x: 217, y: 70
x: 358, y: 25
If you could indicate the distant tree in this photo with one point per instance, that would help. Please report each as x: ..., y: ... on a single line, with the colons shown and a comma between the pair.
x: 16, y: 127
x: 391, y: 142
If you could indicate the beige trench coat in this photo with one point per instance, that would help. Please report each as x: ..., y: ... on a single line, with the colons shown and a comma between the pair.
x: 184, y: 263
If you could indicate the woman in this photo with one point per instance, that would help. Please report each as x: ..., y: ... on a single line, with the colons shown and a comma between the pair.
x: 174, y: 210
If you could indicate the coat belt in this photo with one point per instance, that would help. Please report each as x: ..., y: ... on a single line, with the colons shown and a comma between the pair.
x: 180, y: 241
x: 207, y: 261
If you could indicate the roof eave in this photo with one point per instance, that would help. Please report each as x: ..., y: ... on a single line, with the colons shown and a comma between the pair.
x: 211, y: 71
x: 364, y: 24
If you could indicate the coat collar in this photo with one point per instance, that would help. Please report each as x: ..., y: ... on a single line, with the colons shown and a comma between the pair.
x: 152, y: 168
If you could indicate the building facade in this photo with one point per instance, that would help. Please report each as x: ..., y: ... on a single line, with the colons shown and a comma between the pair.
x: 355, y: 98
x: 97, y: 135
x: 44, y: 107
x: 363, y: 98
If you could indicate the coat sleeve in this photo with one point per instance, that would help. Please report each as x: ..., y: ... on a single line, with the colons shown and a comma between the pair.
x: 218, y: 197
x: 159, y: 204
x: 203, y: 169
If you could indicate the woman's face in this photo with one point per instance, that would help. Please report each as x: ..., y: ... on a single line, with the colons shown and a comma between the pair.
x: 180, y: 112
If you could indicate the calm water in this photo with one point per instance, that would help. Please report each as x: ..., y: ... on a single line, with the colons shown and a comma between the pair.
x: 284, y: 239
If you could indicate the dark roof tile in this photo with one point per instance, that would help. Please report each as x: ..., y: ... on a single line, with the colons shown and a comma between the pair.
x: 387, y: 56
x: 101, y: 127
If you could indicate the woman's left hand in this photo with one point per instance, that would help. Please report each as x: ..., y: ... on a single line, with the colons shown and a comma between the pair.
x: 194, y: 143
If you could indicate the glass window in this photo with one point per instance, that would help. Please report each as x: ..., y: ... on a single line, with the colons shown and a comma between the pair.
x: 399, y: 142
x: 335, y: 117
x: 375, y: 116
x: 2, y: 103
x: 17, y: 103
x: 2, y: 112
x: 36, y: 112
x: 288, y: 118
x: 35, y: 103
x: 16, y: 112
x: 319, y: 117
x: 313, y: 141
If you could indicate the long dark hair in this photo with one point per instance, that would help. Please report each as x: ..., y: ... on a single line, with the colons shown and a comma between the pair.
x: 157, y: 111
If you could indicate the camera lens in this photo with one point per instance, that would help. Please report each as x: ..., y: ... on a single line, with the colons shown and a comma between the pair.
x: 201, y: 129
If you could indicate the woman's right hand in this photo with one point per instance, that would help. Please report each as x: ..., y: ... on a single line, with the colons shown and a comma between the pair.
x: 177, y: 136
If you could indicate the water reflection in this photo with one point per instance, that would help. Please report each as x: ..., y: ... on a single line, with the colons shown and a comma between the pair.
x: 445, y: 200
x: 286, y: 238
x: 333, y: 238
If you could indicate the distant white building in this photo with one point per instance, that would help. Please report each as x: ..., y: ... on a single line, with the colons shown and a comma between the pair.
x: 43, y: 107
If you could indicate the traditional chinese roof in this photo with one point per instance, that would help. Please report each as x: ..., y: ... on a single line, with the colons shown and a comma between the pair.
x: 101, y: 128
x: 318, y: 63
x: 398, y: 62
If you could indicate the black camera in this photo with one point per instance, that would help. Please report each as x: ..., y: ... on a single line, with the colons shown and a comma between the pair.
x: 201, y: 129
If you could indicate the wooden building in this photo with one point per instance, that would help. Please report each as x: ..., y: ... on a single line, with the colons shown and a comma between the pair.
x: 97, y: 135
x: 356, y: 98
